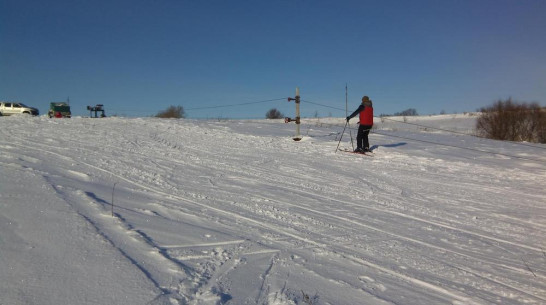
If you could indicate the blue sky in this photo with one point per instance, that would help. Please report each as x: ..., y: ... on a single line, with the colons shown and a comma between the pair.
x: 137, y: 57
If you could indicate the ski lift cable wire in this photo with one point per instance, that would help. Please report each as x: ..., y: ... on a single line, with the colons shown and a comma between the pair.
x: 406, y: 138
x: 322, y: 105
x: 456, y: 132
x: 374, y: 131
x: 429, y: 127
x: 216, y: 106
x: 461, y: 147
x: 397, y: 121
x: 234, y: 105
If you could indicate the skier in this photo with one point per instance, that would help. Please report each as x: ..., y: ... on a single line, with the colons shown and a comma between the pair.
x: 366, y: 122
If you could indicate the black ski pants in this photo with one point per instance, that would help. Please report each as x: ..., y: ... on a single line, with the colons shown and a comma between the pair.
x: 362, y: 136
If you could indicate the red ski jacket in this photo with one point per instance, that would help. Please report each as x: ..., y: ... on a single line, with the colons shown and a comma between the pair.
x: 366, y: 114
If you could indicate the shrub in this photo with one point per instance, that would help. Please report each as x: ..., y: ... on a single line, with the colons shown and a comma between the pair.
x: 512, y: 121
x: 176, y: 112
x: 407, y: 112
x: 273, y: 113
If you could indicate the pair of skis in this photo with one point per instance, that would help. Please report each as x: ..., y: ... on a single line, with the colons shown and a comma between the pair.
x: 369, y: 154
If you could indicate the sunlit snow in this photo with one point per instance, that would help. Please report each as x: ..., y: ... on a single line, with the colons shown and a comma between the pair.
x: 236, y: 212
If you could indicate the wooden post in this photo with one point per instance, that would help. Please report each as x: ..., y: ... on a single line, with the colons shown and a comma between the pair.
x: 297, y: 119
x: 298, y: 135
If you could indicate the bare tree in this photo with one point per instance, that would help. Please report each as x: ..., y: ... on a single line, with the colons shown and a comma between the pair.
x: 273, y: 113
x: 176, y: 112
x: 511, y: 121
x: 407, y: 112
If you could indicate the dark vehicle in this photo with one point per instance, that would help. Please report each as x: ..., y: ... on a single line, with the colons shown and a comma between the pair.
x: 59, y: 110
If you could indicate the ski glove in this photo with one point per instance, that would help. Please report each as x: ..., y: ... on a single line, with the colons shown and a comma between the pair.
x: 348, y: 118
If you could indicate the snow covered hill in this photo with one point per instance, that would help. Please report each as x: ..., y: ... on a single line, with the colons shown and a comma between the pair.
x: 236, y: 212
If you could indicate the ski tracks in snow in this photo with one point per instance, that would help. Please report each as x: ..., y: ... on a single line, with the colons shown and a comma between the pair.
x: 288, y: 214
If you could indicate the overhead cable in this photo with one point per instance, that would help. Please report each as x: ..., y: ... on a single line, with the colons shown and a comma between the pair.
x: 456, y: 132
x: 430, y: 127
x: 460, y: 147
x: 234, y: 105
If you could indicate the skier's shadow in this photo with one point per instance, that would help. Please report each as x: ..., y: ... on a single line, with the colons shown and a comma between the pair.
x: 387, y: 145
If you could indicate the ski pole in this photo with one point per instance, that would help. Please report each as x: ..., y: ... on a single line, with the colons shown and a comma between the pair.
x: 351, y: 134
x: 346, y: 123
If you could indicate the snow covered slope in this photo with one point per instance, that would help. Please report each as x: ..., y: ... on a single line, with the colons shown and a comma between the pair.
x: 236, y: 212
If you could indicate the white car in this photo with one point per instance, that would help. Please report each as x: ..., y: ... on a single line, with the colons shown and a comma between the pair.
x: 9, y: 108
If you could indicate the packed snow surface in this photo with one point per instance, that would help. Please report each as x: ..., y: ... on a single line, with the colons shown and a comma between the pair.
x: 152, y: 211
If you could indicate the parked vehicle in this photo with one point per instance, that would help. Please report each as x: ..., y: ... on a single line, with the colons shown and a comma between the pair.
x: 59, y: 110
x: 10, y: 108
